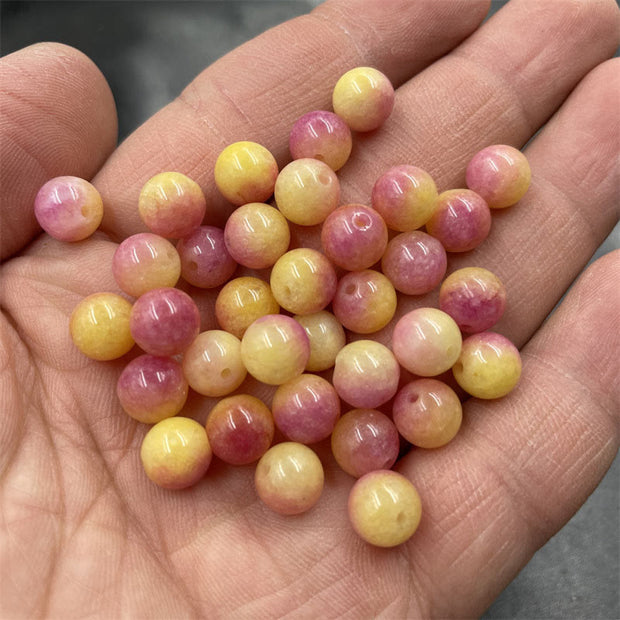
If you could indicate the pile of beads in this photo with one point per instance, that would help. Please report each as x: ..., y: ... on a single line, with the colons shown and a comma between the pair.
x: 282, y: 332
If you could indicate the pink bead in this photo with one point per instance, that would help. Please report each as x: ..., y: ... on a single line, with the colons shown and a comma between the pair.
x: 164, y: 321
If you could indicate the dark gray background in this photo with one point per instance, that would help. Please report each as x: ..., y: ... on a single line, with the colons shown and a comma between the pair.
x: 149, y: 51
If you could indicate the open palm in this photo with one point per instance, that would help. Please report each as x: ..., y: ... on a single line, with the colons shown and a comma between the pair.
x: 85, y: 532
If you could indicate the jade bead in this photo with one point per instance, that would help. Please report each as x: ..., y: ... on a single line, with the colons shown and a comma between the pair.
x: 326, y: 336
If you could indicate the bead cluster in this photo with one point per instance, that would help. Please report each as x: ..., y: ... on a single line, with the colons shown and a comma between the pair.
x: 281, y: 332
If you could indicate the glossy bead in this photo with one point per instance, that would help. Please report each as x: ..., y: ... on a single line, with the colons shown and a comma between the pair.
x: 321, y: 135
x: 175, y: 453
x: 354, y: 237
x: 164, y: 321
x: 462, y: 220
x: 474, y: 297
x: 307, y: 191
x: 489, y: 365
x: 306, y: 408
x: 245, y: 172
x: 384, y: 508
x: 426, y: 341
x: 205, y: 260
x: 212, y: 363
x: 145, y: 261
x: 414, y: 262
x: 99, y: 326
x: 68, y: 208
x: 240, y: 429
x: 427, y: 413
x: 405, y: 196
x: 303, y: 281
x: 172, y: 205
x: 257, y: 235
x: 326, y: 336
x: 289, y: 478
x: 365, y: 301
x: 275, y: 349
x: 241, y: 301
x: 364, y: 440
x: 366, y: 374
x: 364, y: 98
x: 152, y: 388
x: 500, y: 174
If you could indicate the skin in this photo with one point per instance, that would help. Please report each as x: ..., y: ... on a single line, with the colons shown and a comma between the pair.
x: 85, y: 532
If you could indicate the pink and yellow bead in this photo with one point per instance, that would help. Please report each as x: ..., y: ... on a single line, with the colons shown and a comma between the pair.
x: 326, y: 336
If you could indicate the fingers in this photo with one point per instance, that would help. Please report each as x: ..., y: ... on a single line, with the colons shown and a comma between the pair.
x: 57, y: 118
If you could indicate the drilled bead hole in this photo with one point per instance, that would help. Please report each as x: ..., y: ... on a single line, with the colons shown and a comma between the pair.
x: 225, y: 373
x: 350, y: 289
x: 413, y: 398
x: 361, y: 221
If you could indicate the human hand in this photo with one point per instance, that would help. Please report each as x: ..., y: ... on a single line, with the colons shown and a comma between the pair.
x: 85, y: 531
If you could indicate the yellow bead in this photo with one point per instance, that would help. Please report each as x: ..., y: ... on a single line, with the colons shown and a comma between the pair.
x: 326, y: 336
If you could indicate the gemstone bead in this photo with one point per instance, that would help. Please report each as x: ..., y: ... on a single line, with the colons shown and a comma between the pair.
x: 245, y: 172
x: 306, y: 408
x: 99, y: 326
x: 175, y: 453
x: 321, y: 135
x: 426, y: 341
x: 275, y: 349
x: 68, y: 208
x: 354, y: 237
x: 152, y: 388
x: 303, y: 281
x: 164, y: 321
x: 326, y: 336
x: 256, y: 235
x: 240, y: 429
x: 289, y: 478
x: 171, y: 204
x: 489, y: 365
x: 474, y: 297
x: 365, y: 301
x: 384, y: 508
x: 364, y: 98
x: 405, y: 196
x: 212, y: 363
x: 364, y: 440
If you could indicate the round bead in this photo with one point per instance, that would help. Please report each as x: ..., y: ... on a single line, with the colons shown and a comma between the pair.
x: 240, y: 429
x: 326, y: 336
x: 354, y: 237
x: 474, y: 297
x: 241, y: 302
x: 307, y: 191
x: 406, y: 197
x: 306, y: 408
x: 99, y: 326
x: 145, y: 261
x: 164, y: 321
x: 171, y: 204
x: 257, y: 235
x: 245, y: 172
x: 289, y: 478
x: 427, y: 413
x: 303, y: 281
x: 489, y: 365
x: 68, y: 208
x: 205, y: 260
x: 275, y: 349
x: 321, y: 135
x: 365, y: 301
x: 500, y: 174
x: 364, y: 98
x: 365, y: 440
x: 426, y: 342
x: 384, y: 508
x: 212, y: 363
x: 152, y: 388
x: 462, y: 220
x: 175, y: 453
x: 366, y: 374
x: 414, y: 262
